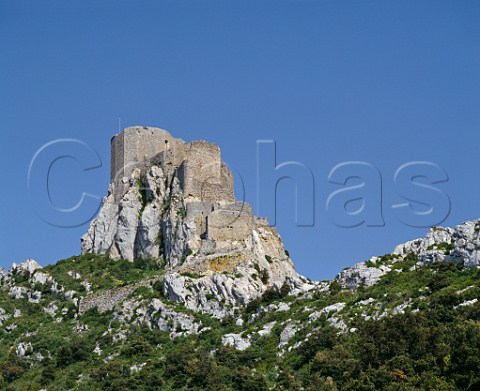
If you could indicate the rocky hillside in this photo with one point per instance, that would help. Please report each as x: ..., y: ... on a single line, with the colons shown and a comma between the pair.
x: 180, y: 286
x: 409, y: 320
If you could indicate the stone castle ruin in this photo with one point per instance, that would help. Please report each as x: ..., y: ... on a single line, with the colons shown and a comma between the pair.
x: 201, y: 172
x: 206, y: 182
x: 174, y: 200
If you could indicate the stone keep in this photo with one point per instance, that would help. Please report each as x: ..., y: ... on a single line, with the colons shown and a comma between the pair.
x: 133, y: 147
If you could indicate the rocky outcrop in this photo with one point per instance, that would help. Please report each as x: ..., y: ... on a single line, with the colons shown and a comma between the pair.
x: 157, y: 315
x: 236, y: 341
x: 29, y: 265
x: 175, y: 201
x: 461, y: 244
x: 362, y: 274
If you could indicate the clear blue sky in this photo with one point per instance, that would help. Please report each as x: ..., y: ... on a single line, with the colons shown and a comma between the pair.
x: 385, y: 82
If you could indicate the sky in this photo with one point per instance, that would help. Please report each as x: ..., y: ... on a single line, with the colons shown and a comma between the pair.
x: 372, y: 102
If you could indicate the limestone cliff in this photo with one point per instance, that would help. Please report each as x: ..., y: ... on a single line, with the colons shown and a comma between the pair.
x: 174, y: 200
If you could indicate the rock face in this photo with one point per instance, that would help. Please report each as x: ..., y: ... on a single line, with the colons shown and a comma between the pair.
x: 461, y: 244
x: 174, y: 200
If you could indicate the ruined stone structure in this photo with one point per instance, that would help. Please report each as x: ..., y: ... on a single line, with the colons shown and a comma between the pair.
x: 198, y: 164
x: 134, y: 146
x: 205, y: 180
x: 175, y: 200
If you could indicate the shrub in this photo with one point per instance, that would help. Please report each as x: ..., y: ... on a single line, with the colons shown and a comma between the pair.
x: 209, y: 296
x: 12, y: 368
x: 76, y: 351
x: 158, y: 286
x: 264, y: 276
x: 335, y: 287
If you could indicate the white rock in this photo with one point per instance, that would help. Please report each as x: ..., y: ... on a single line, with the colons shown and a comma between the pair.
x: 337, y: 323
x: 288, y: 332
x: 69, y: 295
x: 326, y: 311
x: 97, y: 350
x: 34, y: 297
x: 40, y: 277
x: 29, y: 265
x: 23, y: 349
x: 267, y: 329
x: 463, y: 241
x: 361, y: 274
x: 459, y: 292
x: 365, y: 302
x: 400, y: 309
x: 137, y: 367
x: 467, y: 303
x: 75, y: 275
x: 237, y: 341
x: 18, y: 292
x: 283, y: 307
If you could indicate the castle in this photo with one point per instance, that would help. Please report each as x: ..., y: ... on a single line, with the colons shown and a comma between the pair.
x: 206, y: 182
x: 174, y: 200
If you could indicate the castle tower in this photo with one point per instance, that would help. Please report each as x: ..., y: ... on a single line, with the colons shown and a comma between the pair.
x: 132, y: 146
x: 203, y: 174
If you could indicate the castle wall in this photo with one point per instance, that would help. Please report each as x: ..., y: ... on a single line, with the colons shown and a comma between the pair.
x: 233, y: 221
x: 172, y: 158
x: 106, y: 301
x: 203, y: 175
x: 226, y: 178
x: 199, y: 211
x: 262, y: 222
